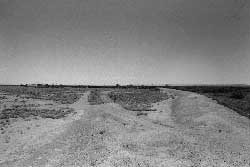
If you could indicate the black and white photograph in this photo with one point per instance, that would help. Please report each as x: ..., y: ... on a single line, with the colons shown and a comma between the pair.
x: 124, y: 83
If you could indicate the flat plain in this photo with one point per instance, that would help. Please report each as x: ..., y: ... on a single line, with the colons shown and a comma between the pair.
x: 116, y: 127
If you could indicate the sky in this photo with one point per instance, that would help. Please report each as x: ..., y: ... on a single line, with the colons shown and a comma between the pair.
x: 125, y: 41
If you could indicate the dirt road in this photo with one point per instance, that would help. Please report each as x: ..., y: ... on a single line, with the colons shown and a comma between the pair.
x: 190, y: 130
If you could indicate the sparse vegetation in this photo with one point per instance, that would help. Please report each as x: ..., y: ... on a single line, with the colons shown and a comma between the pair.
x: 138, y: 99
x: 94, y: 97
x: 237, y: 95
x: 63, y: 95
x: 234, y: 97
x: 31, y: 103
x: 6, y: 114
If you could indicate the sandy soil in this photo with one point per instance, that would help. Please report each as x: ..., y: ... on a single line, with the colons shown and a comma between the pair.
x: 189, y: 130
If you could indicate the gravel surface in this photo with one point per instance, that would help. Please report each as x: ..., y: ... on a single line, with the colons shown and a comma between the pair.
x: 187, y: 131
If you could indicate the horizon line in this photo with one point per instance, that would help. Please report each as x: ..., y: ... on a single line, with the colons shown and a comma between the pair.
x: 214, y: 84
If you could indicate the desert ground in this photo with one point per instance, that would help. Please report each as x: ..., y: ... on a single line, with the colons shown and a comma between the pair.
x: 120, y: 128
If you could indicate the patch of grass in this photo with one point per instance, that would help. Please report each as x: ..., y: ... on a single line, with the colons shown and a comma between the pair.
x: 24, y: 113
x: 94, y: 97
x: 60, y: 95
x: 237, y: 95
x: 138, y: 99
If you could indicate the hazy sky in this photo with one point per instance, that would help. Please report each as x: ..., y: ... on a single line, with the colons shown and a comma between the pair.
x: 125, y: 41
